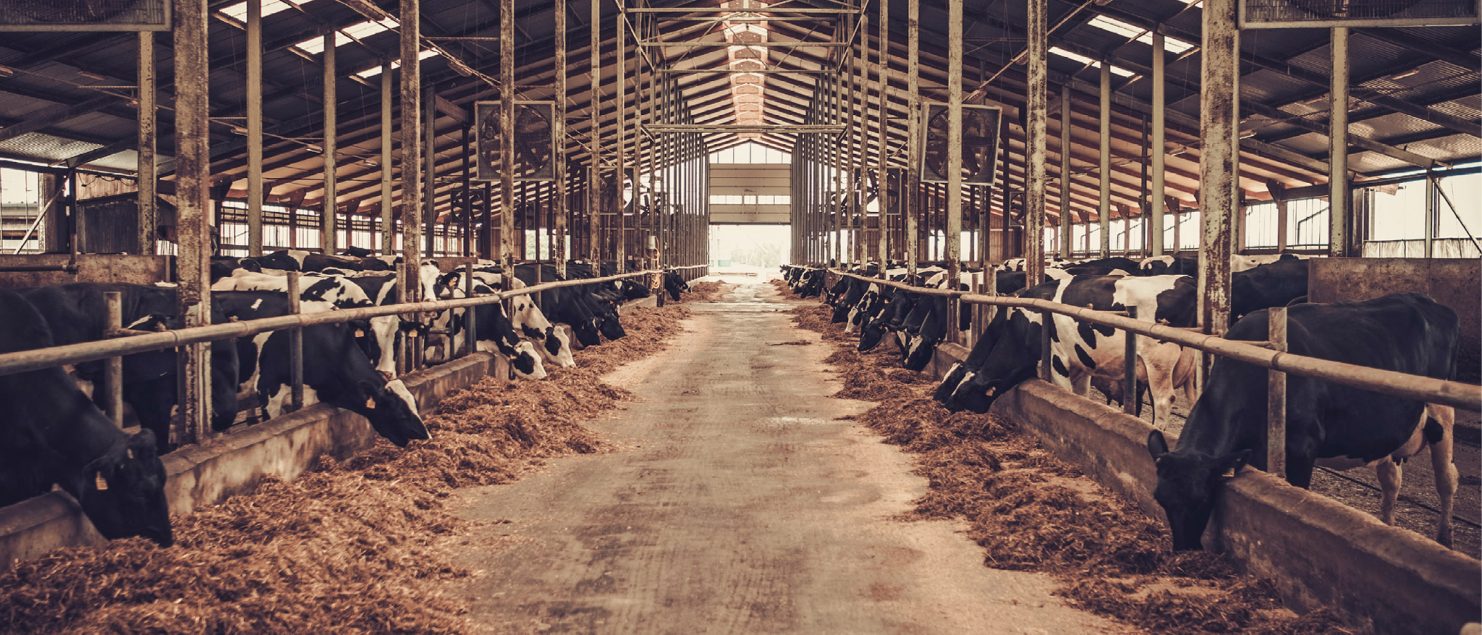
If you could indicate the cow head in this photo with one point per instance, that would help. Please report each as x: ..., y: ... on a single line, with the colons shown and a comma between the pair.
x: 871, y: 333
x: 558, y: 347
x: 1013, y: 358
x: 123, y: 491
x: 392, y: 411
x: 527, y: 362
x: 608, y: 323
x: 1187, y: 482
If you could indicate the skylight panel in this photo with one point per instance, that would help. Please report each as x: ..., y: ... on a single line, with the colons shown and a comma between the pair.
x: 1113, y: 25
x: 376, y: 70
x: 1071, y: 55
x: 357, y: 31
x: 238, y: 11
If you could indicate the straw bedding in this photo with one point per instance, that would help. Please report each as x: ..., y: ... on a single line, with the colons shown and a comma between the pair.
x: 350, y: 547
x: 1029, y: 511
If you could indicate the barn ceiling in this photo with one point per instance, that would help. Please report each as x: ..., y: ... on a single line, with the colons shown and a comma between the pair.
x: 1415, y: 95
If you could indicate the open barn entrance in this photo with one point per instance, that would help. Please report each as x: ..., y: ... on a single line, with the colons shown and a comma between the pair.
x: 749, y: 248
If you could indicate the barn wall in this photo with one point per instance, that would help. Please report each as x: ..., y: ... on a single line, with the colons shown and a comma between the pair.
x: 1451, y: 281
x: 90, y: 268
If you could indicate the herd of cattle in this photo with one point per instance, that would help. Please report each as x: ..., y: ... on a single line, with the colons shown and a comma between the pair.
x: 1327, y: 424
x: 56, y: 433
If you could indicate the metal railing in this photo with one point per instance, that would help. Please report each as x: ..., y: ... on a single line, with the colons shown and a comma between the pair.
x: 132, y: 342
x: 1271, y: 355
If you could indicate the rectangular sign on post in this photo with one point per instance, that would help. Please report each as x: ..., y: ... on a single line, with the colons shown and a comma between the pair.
x: 85, y: 15
x: 980, y: 126
x: 1306, y: 14
x: 535, y: 143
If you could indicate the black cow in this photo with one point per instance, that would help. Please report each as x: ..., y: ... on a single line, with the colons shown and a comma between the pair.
x: 336, y: 370
x: 675, y: 284
x: 1407, y: 333
x: 55, y: 436
x: 1273, y: 284
x: 77, y: 313
x: 1176, y: 265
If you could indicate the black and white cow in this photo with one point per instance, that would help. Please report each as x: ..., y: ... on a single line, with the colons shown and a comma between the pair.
x: 77, y: 313
x: 675, y: 284
x: 1327, y: 423
x: 1174, y: 265
x: 336, y: 369
x: 1009, y: 351
x: 55, y: 436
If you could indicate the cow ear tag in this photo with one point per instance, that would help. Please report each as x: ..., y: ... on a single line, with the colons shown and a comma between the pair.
x: 100, y: 483
x: 370, y: 402
x: 359, y: 332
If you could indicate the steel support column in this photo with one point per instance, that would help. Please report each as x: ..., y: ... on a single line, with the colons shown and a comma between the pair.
x: 621, y: 254
x: 909, y: 187
x: 558, y: 130
x: 411, y: 150
x: 1067, y: 217
x: 192, y: 209
x: 148, y: 170
x: 388, y: 225
x: 1037, y: 106
x: 507, y: 135
x: 1339, y: 210
x: 953, y: 234
x: 1218, y: 118
x: 1158, y: 149
x: 254, y: 128
x: 1103, y: 209
x: 594, y: 174
x: 330, y: 206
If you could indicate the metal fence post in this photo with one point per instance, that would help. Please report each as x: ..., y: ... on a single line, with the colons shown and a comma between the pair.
x: 470, y: 325
x: 295, y: 349
x: 1129, y: 368
x: 1044, y: 344
x: 113, y: 370
x: 1276, y: 396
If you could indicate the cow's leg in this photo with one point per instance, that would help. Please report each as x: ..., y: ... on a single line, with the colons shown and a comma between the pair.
x: 1443, y: 418
x: 1391, y: 474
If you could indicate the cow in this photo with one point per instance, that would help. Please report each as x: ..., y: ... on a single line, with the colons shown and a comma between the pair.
x: 1179, y: 264
x: 1277, y: 283
x: 586, y: 308
x: 1327, y: 423
x: 55, y: 436
x: 675, y: 284
x: 77, y: 313
x: 336, y: 370
x: 1242, y: 262
x: 494, y: 331
x: 1081, y: 352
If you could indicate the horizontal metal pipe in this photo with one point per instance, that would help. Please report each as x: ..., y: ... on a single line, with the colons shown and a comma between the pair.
x: 36, y: 359
x: 1428, y: 389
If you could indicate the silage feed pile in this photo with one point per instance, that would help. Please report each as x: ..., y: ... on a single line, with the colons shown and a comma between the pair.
x: 709, y: 291
x: 1029, y: 511
x: 350, y: 547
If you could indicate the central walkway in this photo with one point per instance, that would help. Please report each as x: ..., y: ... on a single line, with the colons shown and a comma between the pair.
x: 737, y: 501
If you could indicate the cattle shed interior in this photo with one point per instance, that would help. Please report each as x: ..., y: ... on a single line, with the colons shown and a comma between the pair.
x: 445, y: 200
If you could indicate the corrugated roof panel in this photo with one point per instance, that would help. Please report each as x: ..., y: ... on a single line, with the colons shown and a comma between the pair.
x: 45, y: 147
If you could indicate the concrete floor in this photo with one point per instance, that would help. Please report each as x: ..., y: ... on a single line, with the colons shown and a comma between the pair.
x: 737, y: 502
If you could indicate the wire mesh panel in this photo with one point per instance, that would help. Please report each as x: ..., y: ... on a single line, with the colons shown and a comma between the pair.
x: 84, y: 15
x: 1279, y: 14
